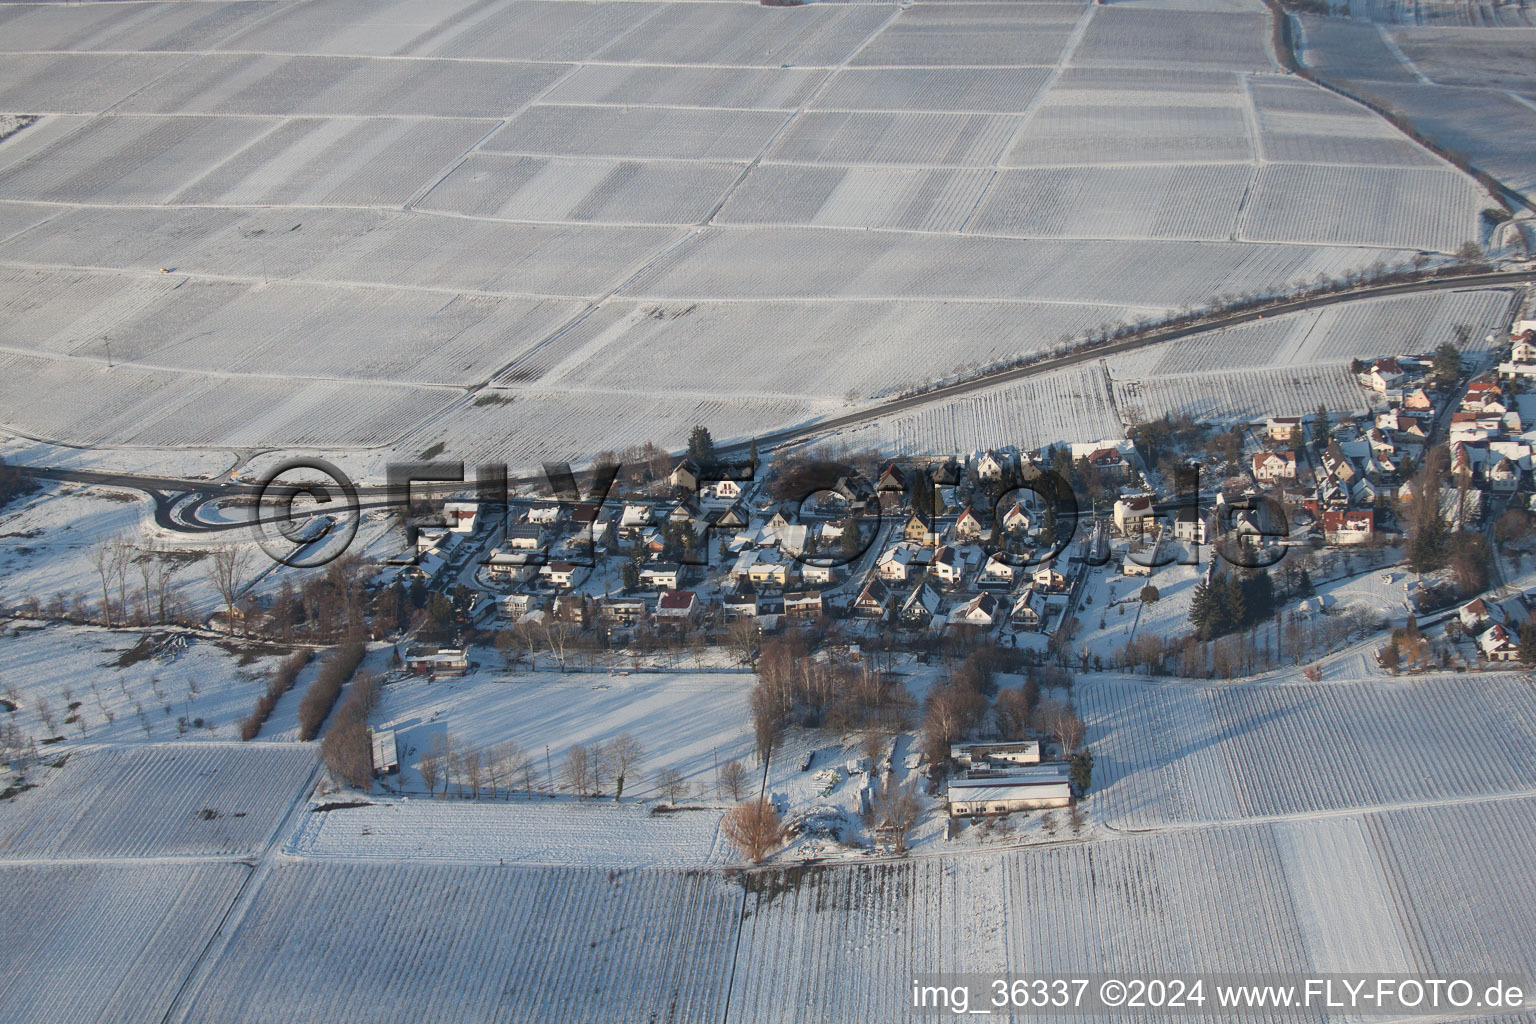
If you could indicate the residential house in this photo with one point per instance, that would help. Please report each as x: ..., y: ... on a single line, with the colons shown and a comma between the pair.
x: 1499, y: 644
x: 981, y: 610
x: 1477, y: 615
x: 874, y: 601
x: 1345, y: 526
x: 919, y: 530
x: 524, y: 537
x: 1016, y: 519
x: 1132, y: 514
x: 1111, y: 465
x: 1029, y: 611
x: 686, y: 475
x: 1189, y: 525
x: 661, y: 575
x: 431, y: 660
x: 803, y: 604
x: 1274, y: 465
x: 897, y: 563
x: 461, y: 516
x: 678, y: 607
x: 622, y: 611
x: 996, y: 572
x: 991, y: 466
x: 511, y: 566
x: 920, y: 607
x: 818, y: 575
x: 892, y: 480
x: 1382, y: 376
x: 968, y: 527
x: 1049, y: 580
x: 564, y: 574
x: 634, y: 520
x: 1282, y: 429
x: 947, y: 566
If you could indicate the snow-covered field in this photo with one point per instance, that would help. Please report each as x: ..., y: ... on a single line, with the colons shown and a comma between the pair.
x: 683, y: 720
x: 159, y: 800
x: 447, y: 196
x: 112, y: 675
x: 478, y: 943
x: 1170, y: 752
x: 105, y: 941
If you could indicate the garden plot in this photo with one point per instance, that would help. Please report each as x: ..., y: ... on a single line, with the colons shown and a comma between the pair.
x: 743, y: 88
x: 556, y: 189
x: 1123, y: 36
x: 878, y: 137
x: 107, y: 941
x: 782, y: 263
x: 130, y: 159
x: 661, y: 133
x: 1399, y: 207
x: 852, y: 197
x: 1000, y: 34
x: 1243, y: 396
x: 554, y: 833
x: 115, y: 673
x: 337, y: 162
x: 376, y: 247
x: 78, y: 83
x: 1197, y: 201
x: 158, y: 800
x: 468, y: 944
x: 975, y: 90
x: 690, y: 33
x: 228, y: 83
x: 1068, y: 405
x: 766, y: 347
x: 152, y: 27
x: 683, y: 720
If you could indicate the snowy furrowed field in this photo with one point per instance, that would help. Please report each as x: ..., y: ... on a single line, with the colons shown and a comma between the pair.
x: 106, y: 941
x: 159, y: 800
x: 1415, y: 324
x: 515, y: 831
x: 356, y: 200
x: 1173, y: 753
x: 466, y: 944
x: 1243, y: 395
x: 1031, y: 413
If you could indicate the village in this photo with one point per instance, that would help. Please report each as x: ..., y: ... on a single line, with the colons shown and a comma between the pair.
x: 915, y: 571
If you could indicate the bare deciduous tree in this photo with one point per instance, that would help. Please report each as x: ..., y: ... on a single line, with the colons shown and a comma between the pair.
x: 894, y: 809
x: 624, y: 754
x: 672, y: 783
x: 227, y: 571
x: 733, y: 779
x: 753, y: 827
x: 430, y: 766
x: 577, y: 770
x: 473, y: 761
